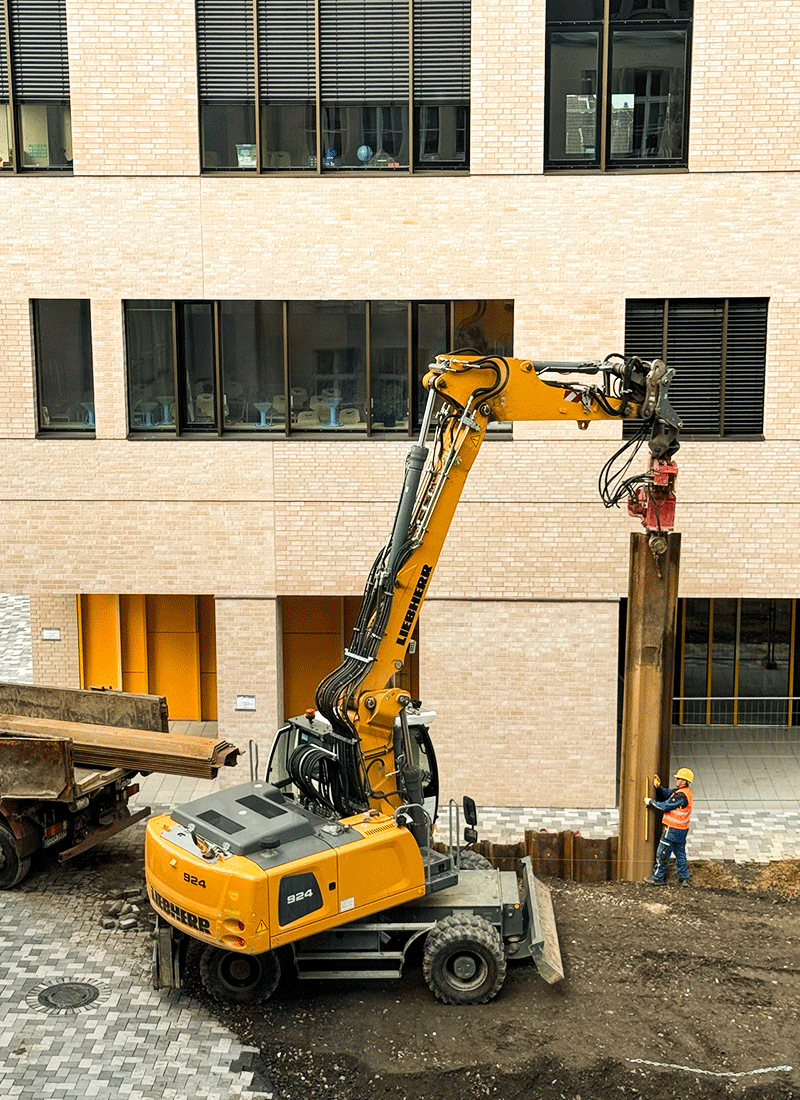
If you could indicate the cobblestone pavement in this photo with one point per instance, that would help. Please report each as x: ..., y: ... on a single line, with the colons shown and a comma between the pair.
x: 78, y: 1015
x: 127, y: 1040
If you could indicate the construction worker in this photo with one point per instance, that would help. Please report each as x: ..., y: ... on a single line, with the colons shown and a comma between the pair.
x: 675, y: 803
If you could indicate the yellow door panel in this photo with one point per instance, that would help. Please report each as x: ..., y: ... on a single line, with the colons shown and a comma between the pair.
x: 173, y: 654
x: 100, y: 649
x: 172, y: 614
x: 312, y: 615
x: 208, y: 657
x: 133, y: 642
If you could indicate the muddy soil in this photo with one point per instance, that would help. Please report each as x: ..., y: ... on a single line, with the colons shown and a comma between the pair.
x: 668, y: 993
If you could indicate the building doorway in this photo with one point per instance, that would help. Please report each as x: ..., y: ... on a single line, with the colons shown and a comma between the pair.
x: 152, y: 644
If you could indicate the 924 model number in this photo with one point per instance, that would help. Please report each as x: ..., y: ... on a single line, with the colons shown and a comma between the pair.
x: 193, y: 880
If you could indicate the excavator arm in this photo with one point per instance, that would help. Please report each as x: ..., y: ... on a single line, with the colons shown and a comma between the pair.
x: 361, y: 753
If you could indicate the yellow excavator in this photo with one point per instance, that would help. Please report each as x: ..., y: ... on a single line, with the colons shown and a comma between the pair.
x: 328, y: 865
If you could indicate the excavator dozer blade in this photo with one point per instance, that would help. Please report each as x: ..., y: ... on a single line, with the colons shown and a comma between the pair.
x: 544, y: 948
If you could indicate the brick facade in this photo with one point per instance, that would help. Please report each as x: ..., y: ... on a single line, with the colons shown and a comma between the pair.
x: 519, y: 638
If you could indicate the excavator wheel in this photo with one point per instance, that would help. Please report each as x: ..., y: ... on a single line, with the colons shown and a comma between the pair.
x: 245, y: 979
x: 471, y: 860
x: 464, y: 962
x: 13, y: 869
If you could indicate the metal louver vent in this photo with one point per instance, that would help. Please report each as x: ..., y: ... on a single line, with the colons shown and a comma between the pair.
x: 225, y: 50
x: 364, y: 48
x: 718, y: 351
x: 694, y: 350
x: 39, y: 59
x: 286, y: 51
x: 746, y: 355
x: 441, y: 51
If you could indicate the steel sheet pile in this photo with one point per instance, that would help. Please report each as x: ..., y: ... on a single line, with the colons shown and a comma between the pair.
x: 135, y: 750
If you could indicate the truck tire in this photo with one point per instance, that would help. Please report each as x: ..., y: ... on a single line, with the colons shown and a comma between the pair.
x: 464, y: 962
x: 233, y: 976
x: 13, y: 869
x: 473, y: 861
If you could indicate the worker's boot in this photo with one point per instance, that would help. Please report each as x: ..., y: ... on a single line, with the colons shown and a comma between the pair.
x: 653, y: 881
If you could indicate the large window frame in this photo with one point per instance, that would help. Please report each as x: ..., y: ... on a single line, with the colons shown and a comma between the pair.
x: 309, y: 369
x: 617, y: 84
x: 737, y: 662
x: 718, y: 349
x: 35, y: 116
x: 331, y: 86
x: 62, y: 339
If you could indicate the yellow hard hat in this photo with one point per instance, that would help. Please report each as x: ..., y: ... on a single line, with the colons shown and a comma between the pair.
x: 685, y: 773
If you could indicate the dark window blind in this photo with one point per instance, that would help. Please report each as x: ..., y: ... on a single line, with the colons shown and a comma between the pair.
x: 3, y: 57
x: 40, y: 63
x: 225, y: 50
x: 441, y: 51
x: 286, y: 51
x: 364, y: 51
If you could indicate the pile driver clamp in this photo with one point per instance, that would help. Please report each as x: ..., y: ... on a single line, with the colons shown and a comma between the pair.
x: 328, y: 864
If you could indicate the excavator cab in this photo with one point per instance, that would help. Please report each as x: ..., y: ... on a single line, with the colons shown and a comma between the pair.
x: 301, y: 747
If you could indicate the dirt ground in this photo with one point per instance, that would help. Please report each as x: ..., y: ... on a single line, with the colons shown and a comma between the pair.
x: 668, y: 993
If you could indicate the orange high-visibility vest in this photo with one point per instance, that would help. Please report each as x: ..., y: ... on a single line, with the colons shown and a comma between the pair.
x: 679, y: 817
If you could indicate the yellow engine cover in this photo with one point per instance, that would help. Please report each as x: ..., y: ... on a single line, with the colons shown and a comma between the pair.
x: 256, y: 902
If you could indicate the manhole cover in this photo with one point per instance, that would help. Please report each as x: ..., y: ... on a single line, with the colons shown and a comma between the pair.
x: 65, y: 997
x: 69, y: 995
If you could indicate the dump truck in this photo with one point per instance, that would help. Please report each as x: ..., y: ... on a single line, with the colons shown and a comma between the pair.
x: 68, y: 761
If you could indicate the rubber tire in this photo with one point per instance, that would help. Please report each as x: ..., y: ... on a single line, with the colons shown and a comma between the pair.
x: 12, y: 868
x: 470, y: 944
x: 231, y: 976
x: 474, y: 861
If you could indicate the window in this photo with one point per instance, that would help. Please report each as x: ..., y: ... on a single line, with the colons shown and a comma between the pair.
x: 625, y: 106
x: 35, y: 127
x: 327, y: 85
x: 65, y: 386
x: 302, y: 367
x: 737, y: 662
x: 718, y: 348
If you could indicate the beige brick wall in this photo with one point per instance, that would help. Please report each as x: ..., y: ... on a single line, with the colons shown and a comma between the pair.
x: 525, y: 696
x: 507, y: 87
x: 249, y: 663
x: 17, y: 386
x: 530, y: 576
x: 745, y: 82
x: 133, y: 87
x: 55, y: 663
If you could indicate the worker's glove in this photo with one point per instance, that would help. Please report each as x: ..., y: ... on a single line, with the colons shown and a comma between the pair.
x: 656, y: 781
x: 648, y: 802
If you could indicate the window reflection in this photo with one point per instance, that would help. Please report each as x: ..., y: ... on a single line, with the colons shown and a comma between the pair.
x: 150, y: 363
x: 225, y: 367
x: 64, y: 376
x: 647, y: 94
x: 251, y: 347
x: 327, y: 364
x: 46, y: 135
x: 573, y: 119
x: 389, y: 364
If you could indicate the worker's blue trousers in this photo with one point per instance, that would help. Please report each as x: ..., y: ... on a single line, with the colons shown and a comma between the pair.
x: 673, y: 841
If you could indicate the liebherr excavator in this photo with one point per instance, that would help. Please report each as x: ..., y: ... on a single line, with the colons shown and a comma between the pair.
x: 329, y: 862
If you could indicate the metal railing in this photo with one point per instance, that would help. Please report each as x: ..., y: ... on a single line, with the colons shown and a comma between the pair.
x: 736, y: 710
